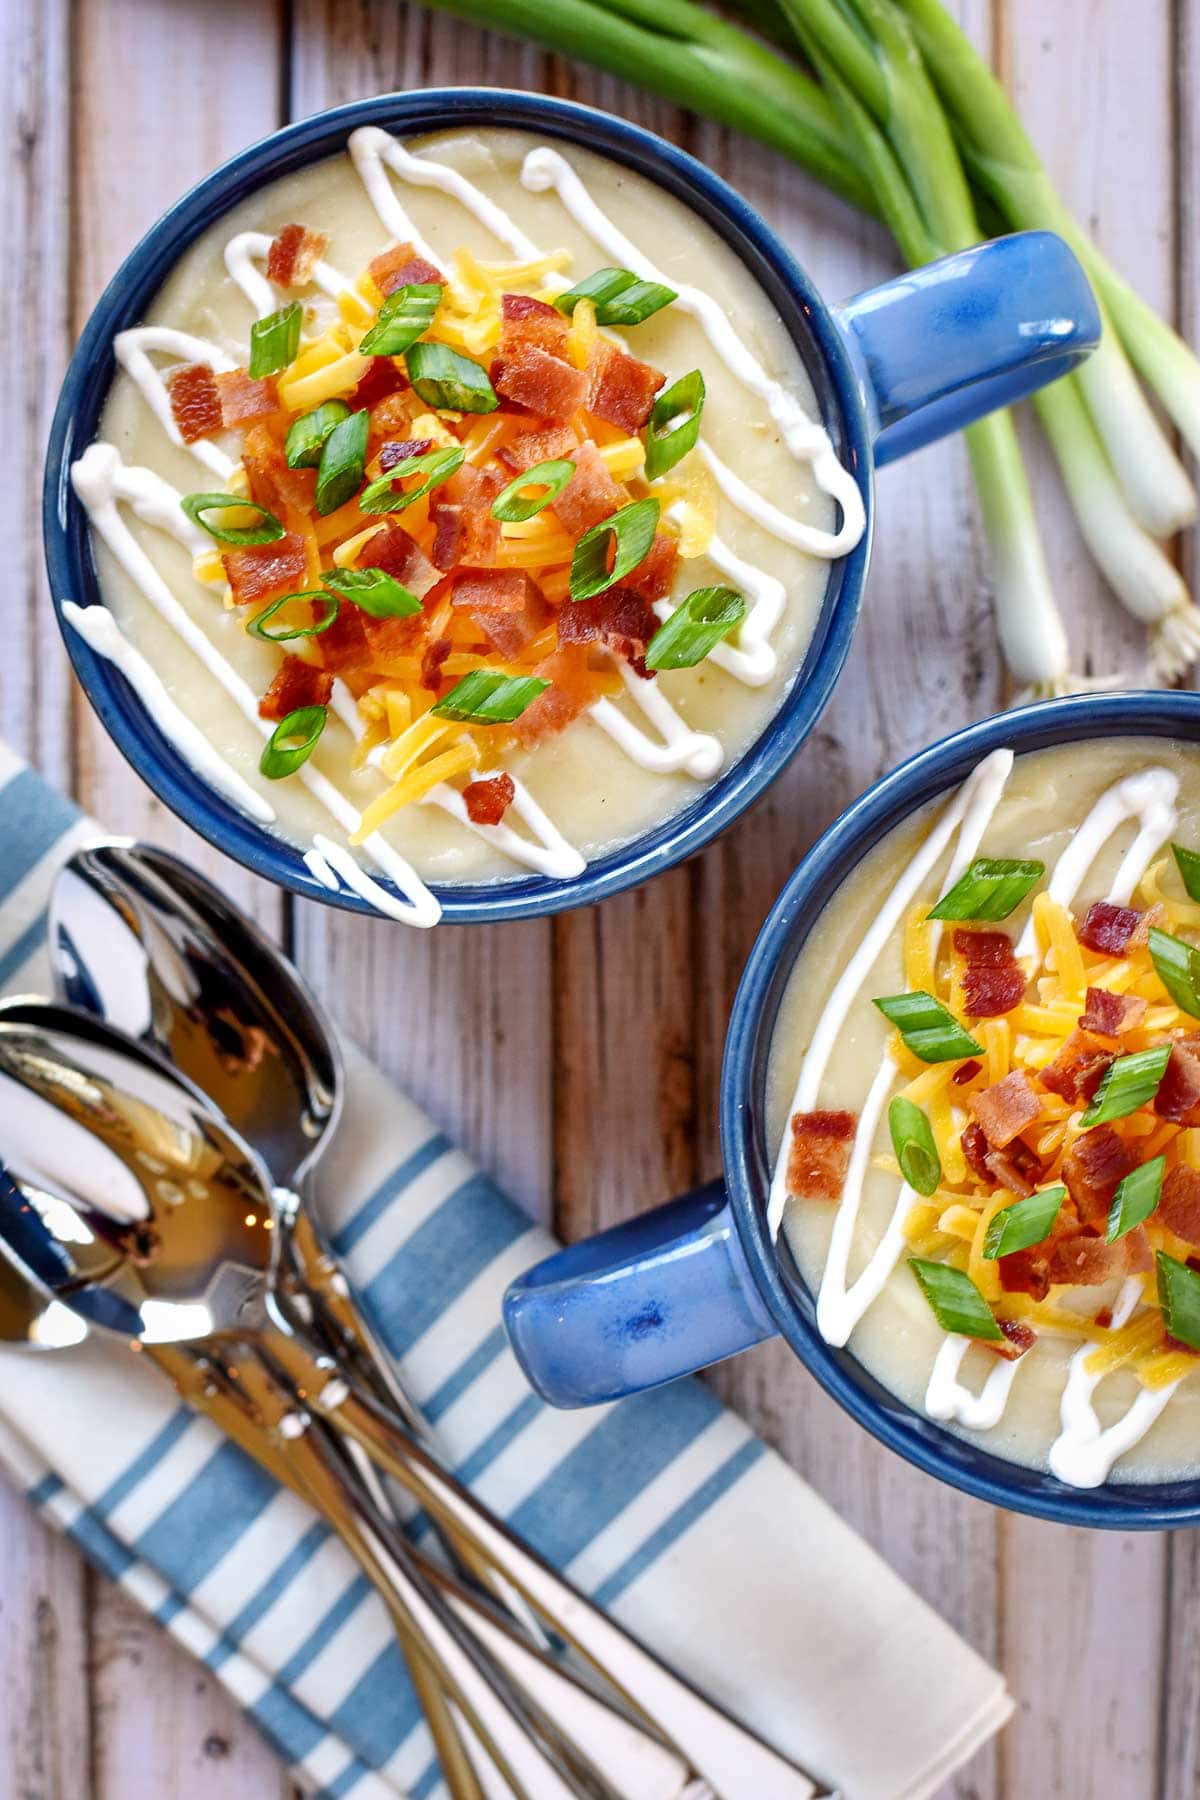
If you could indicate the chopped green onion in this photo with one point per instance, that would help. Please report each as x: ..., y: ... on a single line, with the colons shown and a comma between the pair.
x: 1023, y: 1223
x: 1189, y: 868
x: 293, y: 741
x: 257, y: 626
x: 514, y: 505
x: 275, y: 340
x: 307, y: 434
x: 1136, y: 1198
x: 928, y: 1030
x: 1179, y: 1297
x: 991, y: 889
x: 375, y: 591
x: 196, y: 505
x: 618, y: 296
x: 956, y: 1303
x: 674, y: 424
x: 383, y: 496
x: 695, y: 627
x: 1177, y: 965
x: 1128, y: 1083
x: 631, y: 530
x: 485, y: 697
x: 342, y: 462
x: 912, y: 1140
x: 404, y: 316
x: 444, y: 378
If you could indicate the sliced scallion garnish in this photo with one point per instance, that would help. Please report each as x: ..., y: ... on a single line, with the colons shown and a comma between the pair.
x: 485, y: 697
x: 912, y: 1140
x: 1024, y: 1223
x: 404, y: 316
x: 1177, y: 965
x: 307, y: 434
x: 955, y: 1301
x: 1179, y: 1297
x: 631, y: 530
x: 267, y: 532
x: 383, y: 496
x: 619, y: 297
x: 342, y: 461
x: 514, y: 505
x: 674, y: 424
x: 695, y: 627
x: 1188, y: 863
x: 991, y: 889
x: 375, y: 591
x: 257, y: 626
x: 293, y: 741
x: 445, y: 379
x: 1136, y: 1198
x: 1128, y: 1083
x: 275, y: 340
x: 929, y: 1031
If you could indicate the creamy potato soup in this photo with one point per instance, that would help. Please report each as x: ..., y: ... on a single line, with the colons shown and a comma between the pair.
x: 989, y: 1120
x: 536, y: 510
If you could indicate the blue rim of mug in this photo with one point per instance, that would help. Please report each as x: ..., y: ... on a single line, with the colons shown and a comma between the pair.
x: 124, y: 303
x: 921, y: 1440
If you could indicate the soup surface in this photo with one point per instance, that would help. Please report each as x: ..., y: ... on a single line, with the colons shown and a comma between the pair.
x: 760, y: 506
x: 1073, y: 1118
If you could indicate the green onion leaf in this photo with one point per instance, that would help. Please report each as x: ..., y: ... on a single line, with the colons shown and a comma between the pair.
x: 257, y: 626
x: 631, y: 530
x: 1023, y: 1223
x: 1177, y: 965
x: 404, y: 316
x: 695, y: 627
x: 956, y: 1303
x: 196, y: 505
x: 342, y: 462
x: 912, y: 1140
x: 1188, y: 862
x: 375, y: 591
x: 307, y: 434
x: 991, y: 889
x: 618, y: 296
x: 928, y: 1030
x: 293, y: 741
x: 674, y: 424
x: 485, y: 697
x: 1128, y: 1083
x: 514, y: 504
x: 275, y: 340
x: 1136, y: 1198
x: 383, y: 496
x: 1179, y: 1297
x: 444, y: 378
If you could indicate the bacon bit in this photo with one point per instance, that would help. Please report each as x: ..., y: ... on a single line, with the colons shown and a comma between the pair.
x: 993, y: 982
x: 1006, y: 1108
x: 383, y: 379
x: 542, y: 443
x: 1078, y: 1069
x: 392, y: 453
x: 1111, y: 1014
x: 571, y: 690
x: 526, y: 321
x: 618, y: 618
x: 296, y: 684
x: 652, y: 576
x: 1025, y: 1272
x: 402, y: 267
x: 1092, y: 1168
x: 590, y: 495
x: 1155, y: 917
x: 244, y: 400
x: 195, y: 402
x: 1178, y: 1095
x: 1104, y: 1318
x: 388, y: 638
x: 343, y: 645
x: 1107, y: 929
x: 966, y: 1072
x: 294, y: 254
x: 488, y: 801
x: 975, y: 1149
x: 1018, y: 1168
x: 1018, y: 1338
x: 507, y: 604
x: 461, y: 513
x: 272, y: 483
x: 820, y: 1154
x: 984, y: 949
x: 431, y: 664
x: 533, y: 378
x: 1179, y: 1204
x: 1086, y: 1261
x: 400, y: 556
x: 620, y: 389
x: 257, y: 571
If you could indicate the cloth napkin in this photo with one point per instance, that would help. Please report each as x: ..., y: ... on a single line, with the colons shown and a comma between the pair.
x: 664, y: 1507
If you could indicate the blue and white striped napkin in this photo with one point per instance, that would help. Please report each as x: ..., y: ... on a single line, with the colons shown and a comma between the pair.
x: 665, y: 1507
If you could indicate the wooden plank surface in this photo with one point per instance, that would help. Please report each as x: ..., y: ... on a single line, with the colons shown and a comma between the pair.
x: 531, y: 1042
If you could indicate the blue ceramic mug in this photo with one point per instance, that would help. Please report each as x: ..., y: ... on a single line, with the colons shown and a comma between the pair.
x: 700, y: 1279
x: 891, y: 368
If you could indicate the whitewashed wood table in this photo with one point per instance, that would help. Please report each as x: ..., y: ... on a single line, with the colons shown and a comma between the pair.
x: 530, y: 1040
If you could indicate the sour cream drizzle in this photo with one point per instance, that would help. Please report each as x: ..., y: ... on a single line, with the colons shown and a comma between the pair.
x: 1084, y: 1453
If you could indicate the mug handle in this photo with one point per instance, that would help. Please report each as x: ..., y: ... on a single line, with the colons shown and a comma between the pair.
x: 944, y: 344
x: 640, y: 1304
